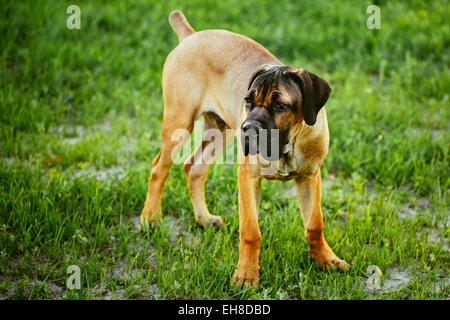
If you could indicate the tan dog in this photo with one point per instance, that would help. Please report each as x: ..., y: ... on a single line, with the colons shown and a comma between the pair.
x: 236, y: 83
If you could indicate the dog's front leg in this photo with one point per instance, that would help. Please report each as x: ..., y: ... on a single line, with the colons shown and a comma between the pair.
x: 308, y: 193
x: 247, y: 271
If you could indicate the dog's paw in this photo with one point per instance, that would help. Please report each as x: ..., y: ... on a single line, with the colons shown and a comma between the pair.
x: 330, y: 262
x: 209, y: 221
x: 146, y: 223
x: 325, y: 257
x: 245, y: 277
x: 334, y: 265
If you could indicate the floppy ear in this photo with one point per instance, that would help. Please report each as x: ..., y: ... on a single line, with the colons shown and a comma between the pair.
x: 315, y: 92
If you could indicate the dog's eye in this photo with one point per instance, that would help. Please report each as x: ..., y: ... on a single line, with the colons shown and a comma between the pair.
x: 281, y: 107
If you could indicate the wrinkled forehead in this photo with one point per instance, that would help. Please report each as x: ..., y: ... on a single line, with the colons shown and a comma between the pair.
x: 274, y: 83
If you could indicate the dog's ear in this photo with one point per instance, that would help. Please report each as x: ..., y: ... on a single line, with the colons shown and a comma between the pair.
x: 315, y: 92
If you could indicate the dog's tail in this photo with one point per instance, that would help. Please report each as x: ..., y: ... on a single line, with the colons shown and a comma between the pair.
x: 180, y: 25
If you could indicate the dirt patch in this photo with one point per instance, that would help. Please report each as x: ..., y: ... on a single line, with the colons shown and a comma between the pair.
x: 25, y: 288
x: 140, y: 289
x: 135, y: 221
x: 423, y: 203
x: 407, y: 212
x: 153, y: 291
x: 74, y: 134
x: 396, y: 279
x: 290, y: 192
x: 122, y: 272
x: 412, y: 210
x: 433, y: 236
x: 111, y: 173
x: 117, y: 294
x: 436, y: 134
x: 11, y: 161
x: 174, y: 228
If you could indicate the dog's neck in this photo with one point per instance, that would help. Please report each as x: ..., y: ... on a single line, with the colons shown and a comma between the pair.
x: 299, y: 134
x: 302, y: 131
x: 289, y: 147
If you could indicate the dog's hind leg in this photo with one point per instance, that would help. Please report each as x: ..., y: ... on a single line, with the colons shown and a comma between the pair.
x: 197, y: 166
x: 173, y: 127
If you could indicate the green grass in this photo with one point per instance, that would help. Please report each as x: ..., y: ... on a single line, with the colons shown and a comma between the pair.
x: 80, y: 119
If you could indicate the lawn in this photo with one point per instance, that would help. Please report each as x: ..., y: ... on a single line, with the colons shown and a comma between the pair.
x: 80, y: 120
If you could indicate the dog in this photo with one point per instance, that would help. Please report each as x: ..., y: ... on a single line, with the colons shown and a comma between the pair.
x: 235, y: 83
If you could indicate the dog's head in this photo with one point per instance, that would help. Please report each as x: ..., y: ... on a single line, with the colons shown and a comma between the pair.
x: 279, y: 97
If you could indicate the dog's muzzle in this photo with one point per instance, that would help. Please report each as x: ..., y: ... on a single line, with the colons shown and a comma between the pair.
x: 256, y: 139
x: 250, y: 137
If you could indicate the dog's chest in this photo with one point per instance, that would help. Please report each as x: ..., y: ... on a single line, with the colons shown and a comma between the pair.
x: 293, y: 163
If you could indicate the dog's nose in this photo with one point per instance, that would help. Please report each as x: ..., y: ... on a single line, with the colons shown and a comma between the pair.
x: 251, y: 124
